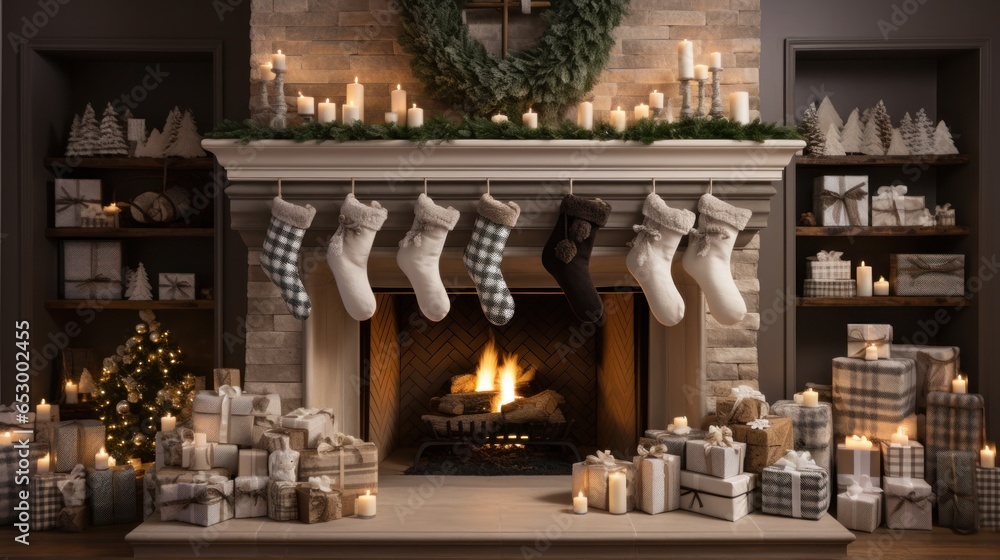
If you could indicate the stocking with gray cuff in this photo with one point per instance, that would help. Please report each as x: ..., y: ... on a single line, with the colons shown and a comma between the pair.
x: 348, y: 254
x: 279, y: 256
x: 419, y: 256
x: 566, y: 255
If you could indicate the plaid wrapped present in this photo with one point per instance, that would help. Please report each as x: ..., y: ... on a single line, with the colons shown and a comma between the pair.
x: 227, y: 415
x: 927, y: 275
x: 853, y: 465
x: 716, y: 455
x: 674, y: 438
x: 891, y: 207
x: 937, y: 366
x: 873, y: 398
x: 123, y: 483
x: 988, y: 493
x: 176, y: 286
x: 827, y: 265
x: 64, y: 444
x: 206, y: 501
x: 72, y: 197
x: 9, y: 489
x: 860, y: 337
x: 657, y: 480
x: 812, y: 428
x: 74, y: 519
x: 252, y: 462
x: 317, y: 422
x: 830, y: 288
x: 860, y: 507
x: 729, y: 499
x: 318, y: 502
x: 795, y: 487
x: 903, y: 460
x: 591, y: 478
x: 46, y: 501
x: 225, y: 455
x: 267, y: 433
x: 743, y: 406
x: 767, y: 439
x: 173, y: 448
x: 92, y: 270
x: 841, y: 200
x: 955, y: 422
x: 350, y: 462
x: 958, y: 505
x: 909, y: 503
x: 282, y: 500
x: 251, y: 496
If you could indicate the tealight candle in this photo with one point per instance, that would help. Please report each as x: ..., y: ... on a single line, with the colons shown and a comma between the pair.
x: 356, y: 93
x: 414, y: 116
x: 618, y: 119
x: 810, y: 398
x: 739, y: 107
x: 585, y: 115
x: 960, y: 385
x: 278, y: 61
x: 6, y: 439
x: 304, y: 105
x: 71, y: 392
x: 988, y: 457
x: 168, y: 423
x: 43, y: 412
x: 530, y: 119
x: 864, y: 280
x: 101, y: 460
x: 43, y: 463
x: 327, y: 111
x: 352, y: 113
x: 797, y: 397
x: 366, y: 505
x: 871, y: 353
x: 716, y: 60
x: 499, y: 118
x: 398, y: 104
x: 685, y: 59
x: 881, y: 288
x: 580, y: 504
x: 855, y: 442
x: 700, y: 72
x: 656, y: 100
x: 111, y: 212
x: 680, y: 422
x: 616, y: 493
x: 900, y: 437
x: 641, y: 111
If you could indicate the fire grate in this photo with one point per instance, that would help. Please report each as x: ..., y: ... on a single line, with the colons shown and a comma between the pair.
x: 481, y: 432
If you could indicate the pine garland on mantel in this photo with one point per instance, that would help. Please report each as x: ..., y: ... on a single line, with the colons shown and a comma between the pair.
x: 440, y: 129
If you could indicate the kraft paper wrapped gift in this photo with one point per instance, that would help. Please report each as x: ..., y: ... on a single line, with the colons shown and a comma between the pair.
x: 227, y: 415
x: 927, y: 274
x: 937, y: 366
x: 591, y: 478
x: 674, y: 438
x: 252, y: 462
x: 251, y: 496
x: 829, y: 288
x: 226, y: 376
x: 267, y: 432
x: 861, y: 336
x: 768, y: 440
x: 351, y: 463
x: 901, y: 461
x: 743, y: 406
x: 173, y: 448
x: 174, y: 475
x: 874, y: 398
x: 860, y: 507
x: 318, y: 502
x: 72, y: 197
x: 92, y: 270
x: 795, y: 486
x: 175, y: 286
x: 955, y: 422
x: 892, y: 207
x: 282, y: 500
x: 45, y: 501
x: 225, y: 455
x: 828, y: 265
x: 855, y: 464
x: 909, y: 503
x: 716, y: 455
x: 206, y: 501
x: 657, y: 480
x: 812, y: 428
x: 729, y: 499
x: 988, y: 493
x: 74, y: 519
x: 316, y: 421
x: 841, y: 200
x: 958, y: 505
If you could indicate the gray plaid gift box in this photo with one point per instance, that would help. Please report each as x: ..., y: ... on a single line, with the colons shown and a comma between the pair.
x: 729, y: 499
x: 123, y: 483
x: 860, y: 337
x: 318, y: 422
x: 891, y: 207
x: 175, y: 286
x: 958, y: 507
x: 8, y: 472
x: 227, y: 415
x: 812, y: 427
x: 903, y: 460
x: 675, y: 439
x: 657, y: 480
x: 282, y: 500
x: 955, y: 422
x: 721, y: 459
x: 795, y: 487
x: 591, y: 478
x: 830, y: 288
x: 206, y: 501
x: 251, y: 496
x: 92, y: 269
x: 937, y: 366
x: 909, y: 503
x: 874, y: 398
x: 927, y: 275
x: 860, y: 508
x: 841, y: 200
x: 827, y: 265
x: 73, y: 197
x: 46, y: 501
x: 64, y: 444
x: 988, y: 493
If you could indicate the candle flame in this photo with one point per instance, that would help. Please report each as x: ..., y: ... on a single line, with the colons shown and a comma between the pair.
x: 529, y: 110
x: 368, y: 492
x: 355, y: 79
x: 168, y: 415
x: 414, y: 105
x: 102, y: 451
x: 959, y: 378
x: 881, y: 278
x: 399, y: 86
x: 580, y: 494
x: 862, y: 263
x: 654, y: 91
x: 300, y: 94
x: 351, y: 103
x: 619, y: 107
x: 279, y: 51
x: 43, y: 400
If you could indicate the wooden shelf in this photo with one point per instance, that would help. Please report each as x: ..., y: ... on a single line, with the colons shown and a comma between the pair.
x: 131, y: 163
x: 198, y: 304
x: 956, y: 159
x: 880, y: 231
x: 884, y: 301
x: 116, y: 233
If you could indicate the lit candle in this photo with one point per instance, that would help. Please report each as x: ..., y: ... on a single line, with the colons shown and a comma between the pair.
x: 414, y: 116
x: 391, y: 117
x: 716, y: 60
x: 327, y: 111
x: 71, y: 392
x: 680, y: 422
x: 871, y: 353
x: 398, y: 104
x: 499, y: 119
x: 305, y: 105
x: 265, y: 72
x: 798, y: 398
x: 168, y: 423
x: 356, y: 93
x: 855, y: 442
x: 530, y: 119
x: 700, y: 72
x: 881, y: 287
x: 6, y: 439
x: 988, y: 457
x: 366, y: 505
x: 656, y: 100
x: 200, y: 439
x: 685, y: 59
x: 278, y: 61
x: 136, y: 464
x: 43, y: 412
x: 616, y: 493
x: 900, y: 437
x: 810, y: 398
x: 580, y: 504
x: 641, y: 111
x: 585, y: 115
x: 43, y: 464
x: 352, y: 113
x: 960, y: 385
x: 618, y: 119
x: 739, y: 107
x: 111, y: 212
x: 864, y: 280
x: 112, y: 462
x: 101, y: 460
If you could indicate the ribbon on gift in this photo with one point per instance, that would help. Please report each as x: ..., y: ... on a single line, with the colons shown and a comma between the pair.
x: 912, y: 497
x: 227, y: 392
x: 742, y: 393
x: 892, y: 194
x: 175, y: 289
x: 654, y: 452
x: 759, y: 424
x: 346, y: 226
x: 848, y: 200
x: 208, y: 490
x: 645, y: 235
x: 307, y: 412
x: 717, y: 437
x: 66, y: 201
x: 953, y: 267
x: 829, y: 256
x: 795, y: 463
x: 93, y: 283
x: 865, y: 486
x: 321, y: 483
x: 261, y: 403
x: 933, y: 367
x: 856, y: 335
x: 943, y: 209
x: 607, y: 461
x: 74, y: 487
x: 695, y: 497
x: 702, y: 239
x: 255, y: 495
x: 681, y: 431
x: 338, y: 442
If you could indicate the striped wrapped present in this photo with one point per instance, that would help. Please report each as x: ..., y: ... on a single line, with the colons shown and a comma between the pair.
x: 903, y: 460
x: 955, y: 422
x: 812, y: 427
x: 795, y: 486
x: 350, y: 462
x: 657, y: 480
x: 282, y: 500
x: 988, y: 493
x: 873, y: 398
x: 830, y: 288
x: 909, y: 503
x: 958, y: 506
x: 827, y: 265
x: 937, y: 366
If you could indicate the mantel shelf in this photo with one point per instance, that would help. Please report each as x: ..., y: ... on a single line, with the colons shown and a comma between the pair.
x: 111, y: 162
x: 880, y: 231
x: 866, y: 160
x: 883, y: 301
x: 197, y: 304
x: 116, y: 233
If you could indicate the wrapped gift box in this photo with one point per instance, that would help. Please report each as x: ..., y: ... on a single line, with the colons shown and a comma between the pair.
x: 958, y: 505
x: 227, y: 416
x: 830, y: 288
x: 91, y: 440
x: 282, y: 500
x: 74, y: 519
x: 722, y: 461
x: 955, y: 422
x: 841, y: 200
x: 766, y: 444
x: 173, y: 448
x: 591, y: 478
x: 657, y: 480
x: 812, y: 428
x: 72, y: 198
x: 267, y: 434
x: 318, y: 505
x: 123, y: 484
x: 874, y: 398
x: 860, y: 510
x: 728, y: 499
x: 909, y: 503
x: 252, y: 462
x: 937, y: 366
x: 10, y: 417
x: 175, y: 286
x: 855, y: 464
x: 988, y: 494
x: 226, y: 376
x: 892, y: 207
x: 351, y: 465
x: 64, y: 444
x: 927, y: 275
x: 46, y: 501
x: 148, y: 481
x: 903, y: 460
x: 317, y: 422
x: 206, y: 501
x: 8, y: 466
x: 225, y: 455
x: 828, y: 265
x: 744, y: 406
x: 860, y: 337
x: 175, y: 475
x: 92, y: 269
x: 251, y: 496
x: 674, y: 439
x: 795, y: 487
x: 944, y: 214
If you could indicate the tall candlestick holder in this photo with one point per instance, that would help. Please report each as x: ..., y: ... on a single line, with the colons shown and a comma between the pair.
x: 686, y: 110
x: 702, y: 111
x: 716, y: 112
x: 264, y: 111
x: 280, y: 119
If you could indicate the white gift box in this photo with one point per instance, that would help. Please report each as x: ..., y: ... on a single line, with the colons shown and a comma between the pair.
x: 658, y: 483
x: 202, y: 503
x: 860, y: 337
x: 251, y: 496
x: 317, y: 422
x: 891, y: 207
x: 225, y: 455
x: 729, y: 498
x: 92, y: 269
x: 72, y: 197
x: 176, y: 286
x: 841, y: 200
x: 715, y: 460
x: 591, y: 478
x: 227, y: 416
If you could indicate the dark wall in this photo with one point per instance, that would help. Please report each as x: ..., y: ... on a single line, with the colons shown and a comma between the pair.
x: 876, y: 20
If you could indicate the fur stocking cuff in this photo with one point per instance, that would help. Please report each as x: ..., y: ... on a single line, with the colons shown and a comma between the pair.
x: 596, y: 211
x: 371, y: 217
x: 674, y: 219
x: 724, y: 212
x: 298, y: 216
x: 501, y: 213
x: 433, y: 215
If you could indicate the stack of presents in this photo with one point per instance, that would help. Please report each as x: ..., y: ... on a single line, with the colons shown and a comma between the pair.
x: 851, y: 444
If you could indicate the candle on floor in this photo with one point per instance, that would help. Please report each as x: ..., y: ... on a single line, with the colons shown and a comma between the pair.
x: 580, y: 504
x: 366, y: 505
x: 685, y: 59
x: 530, y: 119
x: 739, y: 107
x: 881, y: 287
x: 499, y: 118
x: 864, y: 280
x: 960, y: 385
x: 988, y: 457
x: 585, y: 115
x: 71, y: 392
x: 266, y: 73
x: 352, y: 113
x: 797, y: 397
x: 680, y: 422
x: 278, y: 61
x: 810, y: 398
x: 6, y: 439
x: 356, y: 93
x: 398, y: 104
x: 43, y: 412
x: 700, y: 72
x: 101, y: 460
x: 327, y: 111
x: 414, y: 116
x: 616, y: 493
x: 43, y: 464
x: 656, y: 100
x: 641, y: 111
x: 168, y: 423
x: 618, y: 119
x: 716, y: 60
x: 900, y: 437
x: 871, y: 353
x: 304, y: 105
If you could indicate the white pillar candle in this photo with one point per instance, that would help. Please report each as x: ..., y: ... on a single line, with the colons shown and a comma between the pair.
x: 352, y: 113
x: 304, y: 105
x: 864, y: 280
x: 112, y: 462
x: 278, y: 61
x: 265, y: 72
x: 391, y: 117
x: 499, y: 119
x: 988, y: 457
x: 958, y: 385
x: 798, y: 398
x: 881, y: 288
x: 871, y: 353
x: 641, y: 111
x: 616, y: 493
x: 398, y: 104
x: 580, y: 504
x: 101, y: 460
x: 685, y: 59
x: 414, y: 116
x: 810, y: 398
x: 700, y: 72
x: 168, y: 423
x: 680, y: 422
x: 715, y: 60
x: 111, y: 212
x: 618, y: 119
x: 43, y: 463
x: 200, y: 439
x: 366, y: 505
x: 356, y: 93
x: 855, y: 442
x: 739, y: 107
x: 585, y: 115
x: 656, y: 100
x: 71, y: 392
x: 327, y: 111
x: 43, y: 412
x: 900, y: 437
x: 6, y: 439
x: 530, y: 119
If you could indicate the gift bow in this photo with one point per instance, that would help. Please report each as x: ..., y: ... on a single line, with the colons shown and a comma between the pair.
x: 656, y: 451
x: 801, y: 461
x: 892, y: 191
x: 255, y: 494
x: 74, y: 488
x: 954, y: 267
x: 321, y: 483
x: 93, y: 282
x: 849, y: 200
x: 66, y: 201
x: 829, y: 256
x: 759, y: 424
x: 718, y: 437
x: 175, y: 287
x: 211, y: 491
x: 346, y: 226
x: 747, y: 392
x: 942, y: 208
x: 338, y: 441
x: 645, y: 235
x: 602, y: 458
x: 305, y: 412
x: 856, y: 489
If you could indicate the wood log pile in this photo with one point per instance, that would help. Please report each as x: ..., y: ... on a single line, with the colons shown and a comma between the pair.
x: 474, y: 411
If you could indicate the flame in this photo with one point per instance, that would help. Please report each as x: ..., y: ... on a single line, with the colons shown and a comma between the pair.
x: 486, y: 373
x: 508, y: 379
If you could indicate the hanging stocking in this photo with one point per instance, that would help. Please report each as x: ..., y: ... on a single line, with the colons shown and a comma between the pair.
x: 419, y: 256
x: 348, y: 255
x: 652, y: 255
x: 484, y: 254
x: 566, y: 255
x: 280, y: 256
x: 708, y: 255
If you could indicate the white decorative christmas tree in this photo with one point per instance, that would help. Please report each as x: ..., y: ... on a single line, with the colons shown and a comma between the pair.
x: 923, y: 138
x: 943, y: 142
x: 86, y: 385
x: 881, y: 117
x: 832, y: 146
x: 187, y: 144
x: 872, y: 142
x: 897, y: 147
x: 171, y: 128
x: 809, y: 127
x: 828, y: 115
x: 139, y: 288
x: 72, y: 144
x: 852, y: 134
x: 112, y: 141
x: 89, y: 133
x: 907, y: 129
x: 866, y: 116
x: 152, y: 147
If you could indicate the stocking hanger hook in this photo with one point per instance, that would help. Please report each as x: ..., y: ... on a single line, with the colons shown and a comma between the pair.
x: 352, y: 185
x: 425, y: 185
x: 279, y: 187
x: 570, y: 185
x: 710, y: 185
x: 487, y: 185
x: 654, y: 185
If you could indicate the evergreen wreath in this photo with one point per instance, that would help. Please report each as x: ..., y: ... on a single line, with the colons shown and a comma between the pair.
x: 550, y: 77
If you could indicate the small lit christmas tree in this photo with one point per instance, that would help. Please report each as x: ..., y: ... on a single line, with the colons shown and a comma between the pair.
x: 139, y: 384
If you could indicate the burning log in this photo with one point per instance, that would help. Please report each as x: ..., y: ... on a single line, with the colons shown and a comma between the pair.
x: 467, y: 424
x: 537, y: 408
x: 466, y: 403
x: 466, y: 383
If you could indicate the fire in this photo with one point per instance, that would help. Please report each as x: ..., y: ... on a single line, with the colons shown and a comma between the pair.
x: 486, y: 373
x: 508, y: 379
x: 494, y: 376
